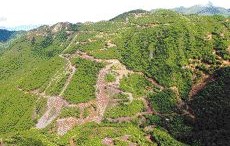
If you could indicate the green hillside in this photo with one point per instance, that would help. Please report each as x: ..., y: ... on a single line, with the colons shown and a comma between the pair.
x: 141, y: 78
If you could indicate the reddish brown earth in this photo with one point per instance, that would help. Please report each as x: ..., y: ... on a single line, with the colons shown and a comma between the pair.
x: 54, y: 106
x: 200, y: 85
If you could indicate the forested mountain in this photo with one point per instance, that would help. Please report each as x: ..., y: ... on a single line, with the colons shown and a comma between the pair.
x: 5, y: 35
x: 142, y: 78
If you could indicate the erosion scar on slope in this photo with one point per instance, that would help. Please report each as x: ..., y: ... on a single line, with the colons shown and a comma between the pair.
x: 72, y: 71
x: 102, y: 97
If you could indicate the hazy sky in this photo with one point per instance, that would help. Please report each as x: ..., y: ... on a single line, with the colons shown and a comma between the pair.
x: 26, y: 12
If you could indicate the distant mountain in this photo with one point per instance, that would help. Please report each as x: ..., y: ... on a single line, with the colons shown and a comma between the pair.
x: 23, y: 27
x: 5, y: 35
x: 208, y: 9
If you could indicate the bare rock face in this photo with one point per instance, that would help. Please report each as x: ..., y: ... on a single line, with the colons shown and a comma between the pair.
x: 40, y: 31
x: 60, y: 26
x: 64, y: 125
x: 47, y: 30
x: 54, y: 106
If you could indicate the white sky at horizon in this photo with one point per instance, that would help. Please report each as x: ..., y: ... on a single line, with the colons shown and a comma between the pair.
x: 31, y: 12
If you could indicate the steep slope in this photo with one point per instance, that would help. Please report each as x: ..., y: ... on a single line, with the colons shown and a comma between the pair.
x: 28, y: 58
x: 211, y: 109
x: 127, y: 81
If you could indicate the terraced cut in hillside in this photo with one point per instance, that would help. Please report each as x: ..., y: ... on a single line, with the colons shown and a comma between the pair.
x: 141, y: 78
x: 103, y: 99
x: 98, y: 106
